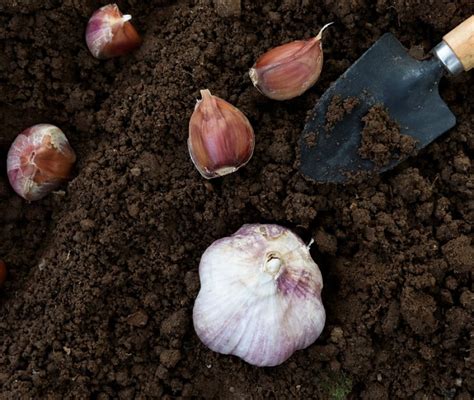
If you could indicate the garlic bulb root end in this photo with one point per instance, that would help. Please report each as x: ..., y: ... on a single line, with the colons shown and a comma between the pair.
x: 254, y: 76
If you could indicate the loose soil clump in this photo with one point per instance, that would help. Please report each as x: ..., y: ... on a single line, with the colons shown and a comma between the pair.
x: 337, y: 109
x: 381, y: 140
x: 102, y: 274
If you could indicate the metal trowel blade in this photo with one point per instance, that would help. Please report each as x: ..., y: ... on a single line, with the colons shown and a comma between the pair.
x: 385, y: 74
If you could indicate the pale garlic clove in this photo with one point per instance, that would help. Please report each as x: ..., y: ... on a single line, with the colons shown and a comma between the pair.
x: 260, y: 296
x: 287, y: 71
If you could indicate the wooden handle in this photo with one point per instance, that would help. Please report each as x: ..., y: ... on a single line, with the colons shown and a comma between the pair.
x: 461, y: 41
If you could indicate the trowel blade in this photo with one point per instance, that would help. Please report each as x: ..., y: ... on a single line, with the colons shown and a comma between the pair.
x: 385, y: 74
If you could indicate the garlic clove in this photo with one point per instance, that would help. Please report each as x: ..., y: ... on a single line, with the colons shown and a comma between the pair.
x: 221, y: 139
x: 39, y: 160
x: 287, y: 71
x: 3, y: 272
x: 110, y: 34
x: 260, y: 296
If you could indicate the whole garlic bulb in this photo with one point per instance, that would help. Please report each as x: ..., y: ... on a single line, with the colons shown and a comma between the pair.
x: 260, y: 296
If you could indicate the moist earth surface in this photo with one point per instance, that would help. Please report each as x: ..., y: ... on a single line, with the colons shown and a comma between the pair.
x: 104, y: 272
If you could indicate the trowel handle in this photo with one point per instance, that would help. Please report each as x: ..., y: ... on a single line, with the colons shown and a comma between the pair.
x: 461, y: 41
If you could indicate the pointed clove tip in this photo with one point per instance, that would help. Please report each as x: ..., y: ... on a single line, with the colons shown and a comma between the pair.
x: 205, y: 93
x: 320, y: 34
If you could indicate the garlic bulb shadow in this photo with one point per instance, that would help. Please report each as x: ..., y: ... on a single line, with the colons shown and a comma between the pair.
x: 260, y: 296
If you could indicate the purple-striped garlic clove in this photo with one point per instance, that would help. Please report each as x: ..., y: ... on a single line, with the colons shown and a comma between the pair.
x: 39, y: 160
x: 221, y: 139
x: 110, y: 34
x: 260, y: 296
x: 287, y: 71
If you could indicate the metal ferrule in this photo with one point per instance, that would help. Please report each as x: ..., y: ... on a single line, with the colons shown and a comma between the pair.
x: 448, y: 58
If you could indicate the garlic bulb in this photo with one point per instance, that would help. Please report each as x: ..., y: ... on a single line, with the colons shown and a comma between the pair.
x: 260, y: 296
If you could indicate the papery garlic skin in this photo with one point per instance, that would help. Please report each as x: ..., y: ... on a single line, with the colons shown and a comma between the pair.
x: 260, y: 296
x: 287, y: 71
x: 110, y: 34
x: 221, y: 139
x: 39, y: 160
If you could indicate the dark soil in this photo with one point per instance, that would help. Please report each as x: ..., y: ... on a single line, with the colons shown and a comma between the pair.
x: 381, y: 140
x: 103, y: 274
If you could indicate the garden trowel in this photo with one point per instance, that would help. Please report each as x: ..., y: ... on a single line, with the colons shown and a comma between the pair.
x: 408, y: 89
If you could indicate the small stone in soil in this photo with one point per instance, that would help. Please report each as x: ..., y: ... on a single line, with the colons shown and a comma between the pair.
x: 138, y: 319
